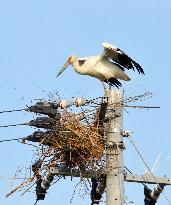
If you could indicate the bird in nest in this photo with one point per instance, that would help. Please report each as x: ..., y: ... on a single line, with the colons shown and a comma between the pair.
x: 108, y: 67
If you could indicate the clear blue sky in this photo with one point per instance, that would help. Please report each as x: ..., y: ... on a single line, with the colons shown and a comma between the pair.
x: 36, y: 36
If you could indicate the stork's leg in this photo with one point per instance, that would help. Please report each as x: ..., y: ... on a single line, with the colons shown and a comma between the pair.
x: 103, y: 86
x: 109, y: 84
x: 105, y: 90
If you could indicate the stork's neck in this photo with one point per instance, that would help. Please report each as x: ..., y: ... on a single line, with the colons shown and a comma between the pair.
x: 75, y: 64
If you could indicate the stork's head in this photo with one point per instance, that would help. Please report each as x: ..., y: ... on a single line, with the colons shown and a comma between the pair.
x: 72, y: 59
x: 69, y: 61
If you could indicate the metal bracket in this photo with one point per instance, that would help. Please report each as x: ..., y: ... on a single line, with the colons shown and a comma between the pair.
x: 114, y: 145
x: 125, y: 133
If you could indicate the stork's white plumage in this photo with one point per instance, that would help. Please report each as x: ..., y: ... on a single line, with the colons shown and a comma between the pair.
x: 108, y: 67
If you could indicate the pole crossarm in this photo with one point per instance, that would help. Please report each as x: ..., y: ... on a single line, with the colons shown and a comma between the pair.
x: 147, y: 178
x: 75, y: 172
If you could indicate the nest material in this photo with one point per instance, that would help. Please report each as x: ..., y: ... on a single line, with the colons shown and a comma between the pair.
x: 81, y: 140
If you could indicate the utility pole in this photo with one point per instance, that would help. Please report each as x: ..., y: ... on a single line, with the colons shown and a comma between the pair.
x: 114, y: 150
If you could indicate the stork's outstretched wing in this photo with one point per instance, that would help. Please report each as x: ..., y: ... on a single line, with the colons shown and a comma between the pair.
x: 120, y: 57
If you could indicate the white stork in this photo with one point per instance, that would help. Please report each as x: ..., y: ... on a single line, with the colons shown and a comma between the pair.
x: 107, y: 67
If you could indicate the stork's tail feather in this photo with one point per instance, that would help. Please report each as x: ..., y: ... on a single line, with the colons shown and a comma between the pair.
x: 113, y: 82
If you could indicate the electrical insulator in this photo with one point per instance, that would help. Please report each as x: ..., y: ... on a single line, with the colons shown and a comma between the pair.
x: 101, y: 186
x: 80, y: 102
x: 40, y: 137
x: 49, y: 108
x: 37, y: 165
x: 47, y: 181
x: 98, y: 188
x: 66, y: 103
x: 74, y: 101
x: 46, y: 108
x: 152, y: 196
x: 42, y: 122
x: 148, y: 200
x: 157, y: 191
x: 40, y: 193
x: 35, y: 137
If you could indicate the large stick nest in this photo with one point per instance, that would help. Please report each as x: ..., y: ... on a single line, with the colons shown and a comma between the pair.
x: 81, y: 141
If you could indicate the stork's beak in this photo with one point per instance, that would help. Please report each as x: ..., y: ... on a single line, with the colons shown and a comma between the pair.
x: 63, y: 68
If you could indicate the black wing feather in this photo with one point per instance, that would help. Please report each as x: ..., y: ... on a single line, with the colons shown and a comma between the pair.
x: 138, y: 67
x: 121, y: 58
x: 113, y: 82
x: 125, y: 61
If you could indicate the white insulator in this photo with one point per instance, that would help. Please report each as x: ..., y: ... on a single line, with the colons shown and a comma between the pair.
x: 74, y: 101
x: 80, y: 102
x: 66, y: 103
x: 63, y: 104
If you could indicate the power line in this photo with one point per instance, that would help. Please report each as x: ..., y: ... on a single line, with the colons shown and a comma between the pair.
x: 8, y: 111
x: 13, y: 125
x: 9, y: 140
x: 145, y: 163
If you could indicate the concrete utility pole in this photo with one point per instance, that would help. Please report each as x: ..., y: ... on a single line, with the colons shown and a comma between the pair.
x: 114, y: 150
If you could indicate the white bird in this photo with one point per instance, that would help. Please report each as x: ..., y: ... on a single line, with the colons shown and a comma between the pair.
x: 107, y: 67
